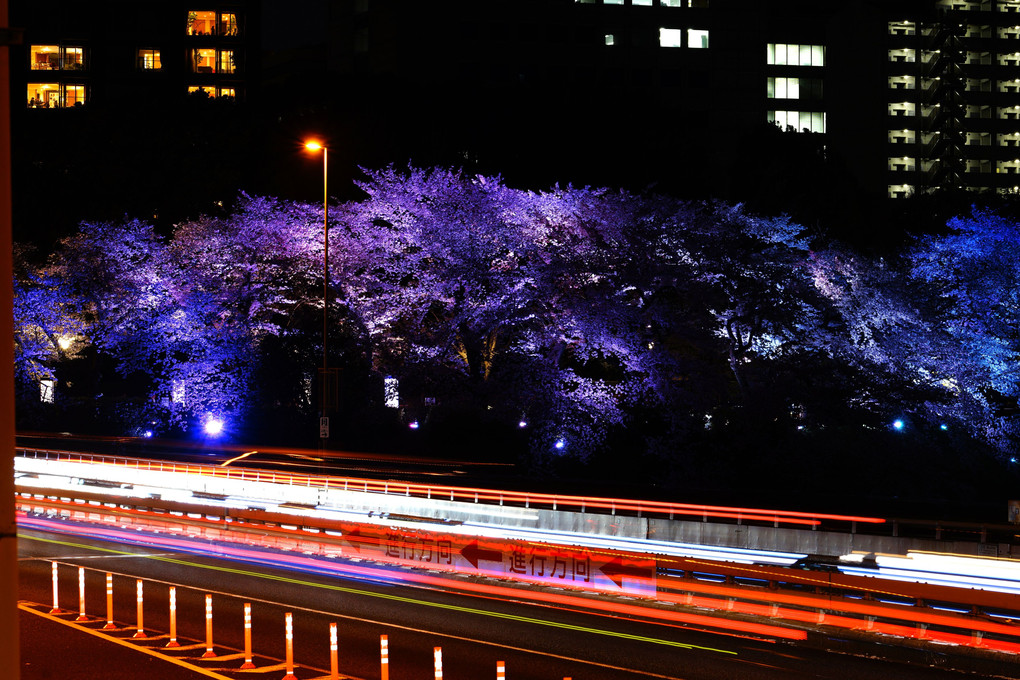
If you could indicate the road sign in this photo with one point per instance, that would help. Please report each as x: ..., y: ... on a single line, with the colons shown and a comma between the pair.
x: 324, y: 427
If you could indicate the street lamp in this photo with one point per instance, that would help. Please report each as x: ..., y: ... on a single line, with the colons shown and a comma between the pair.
x: 313, y: 146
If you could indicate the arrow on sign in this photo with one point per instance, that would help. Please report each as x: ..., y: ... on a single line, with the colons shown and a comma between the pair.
x: 615, y: 570
x: 355, y: 538
x: 473, y: 554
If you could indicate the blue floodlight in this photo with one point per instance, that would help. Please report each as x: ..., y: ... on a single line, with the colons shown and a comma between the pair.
x: 560, y: 444
x: 943, y: 427
x: 213, y: 426
x: 413, y: 424
x: 522, y: 423
x: 897, y: 425
x: 147, y: 434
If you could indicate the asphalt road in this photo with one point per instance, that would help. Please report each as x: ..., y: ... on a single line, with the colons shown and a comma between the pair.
x: 535, y: 642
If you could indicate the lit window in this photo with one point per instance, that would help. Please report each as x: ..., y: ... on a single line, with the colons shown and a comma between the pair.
x: 798, y: 121
x: 208, y: 90
x: 212, y: 92
x: 780, y: 54
x: 671, y: 3
x: 610, y: 39
x: 697, y: 38
x: 671, y: 37
x: 73, y: 58
x: 203, y: 60
x: 56, y: 58
x: 226, y: 61
x: 784, y: 88
x: 46, y: 388
x: 612, y: 2
x: 201, y: 23
x: 55, y: 95
x: 74, y: 95
x: 228, y: 24
x: 45, y: 57
x: 641, y: 3
x: 148, y: 60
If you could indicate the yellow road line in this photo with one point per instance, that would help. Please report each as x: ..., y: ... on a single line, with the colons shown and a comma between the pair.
x: 400, y: 598
x: 124, y: 643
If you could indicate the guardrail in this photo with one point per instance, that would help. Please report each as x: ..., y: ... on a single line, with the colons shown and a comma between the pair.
x: 524, y: 499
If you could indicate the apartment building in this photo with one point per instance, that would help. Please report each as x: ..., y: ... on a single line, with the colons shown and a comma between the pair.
x: 104, y: 53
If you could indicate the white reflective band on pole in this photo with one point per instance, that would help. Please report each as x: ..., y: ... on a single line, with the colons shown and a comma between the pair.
x: 81, y: 595
x: 56, y: 601
x: 173, y: 618
x: 209, y: 653
x: 247, y: 665
x: 437, y: 655
x: 141, y: 628
x: 109, y: 602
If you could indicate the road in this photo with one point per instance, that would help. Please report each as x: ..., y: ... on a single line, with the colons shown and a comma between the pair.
x: 474, y: 631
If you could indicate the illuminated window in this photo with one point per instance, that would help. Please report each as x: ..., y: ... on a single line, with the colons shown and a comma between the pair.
x: 148, y: 60
x: 212, y: 23
x: 201, y: 23
x: 697, y: 38
x: 671, y: 37
x: 228, y: 24
x: 55, y: 95
x: 612, y: 2
x: 641, y: 3
x: 46, y: 388
x: 610, y: 39
x: 203, y: 60
x: 208, y: 90
x: 211, y: 91
x: 45, y: 57
x: 672, y: 3
x: 780, y: 54
x: 56, y: 58
x: 900, y: 190
x: 226, y: 61
x: 798, y: 121
x: 784, y: 88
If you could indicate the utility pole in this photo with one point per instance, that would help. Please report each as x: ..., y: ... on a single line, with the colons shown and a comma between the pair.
x: 10, y: 663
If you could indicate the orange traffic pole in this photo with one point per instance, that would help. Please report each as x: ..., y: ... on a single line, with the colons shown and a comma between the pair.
x: 247, y: 638
x: 138, y: 597
x: 437, y: 656
x: 384, y: 657
x: 500, y: 670
x: 173, y: 618
x: 81, y: 595
x: 56, y: 600
x: 109, y: 602
x: 209, y: 653
x: 289, y: 620
x: 334, y: 666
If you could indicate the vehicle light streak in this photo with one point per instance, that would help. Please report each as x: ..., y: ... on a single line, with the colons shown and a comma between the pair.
x: 389, y: 576
x: 817, y: 609
x: 719, y: 596
x: 463, y: 494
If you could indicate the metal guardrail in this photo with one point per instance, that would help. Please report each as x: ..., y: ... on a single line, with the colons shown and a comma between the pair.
x: 524, y: 499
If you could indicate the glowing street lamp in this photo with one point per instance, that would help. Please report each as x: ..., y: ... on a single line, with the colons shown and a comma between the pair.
x: 313, y: 145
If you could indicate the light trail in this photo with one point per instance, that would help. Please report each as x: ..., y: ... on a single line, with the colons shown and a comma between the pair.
x: 376, y: 574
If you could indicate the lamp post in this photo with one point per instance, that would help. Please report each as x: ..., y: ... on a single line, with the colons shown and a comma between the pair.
x: 313, y: 145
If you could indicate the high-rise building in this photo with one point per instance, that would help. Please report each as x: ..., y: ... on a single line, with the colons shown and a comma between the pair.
x: 787, y: 102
